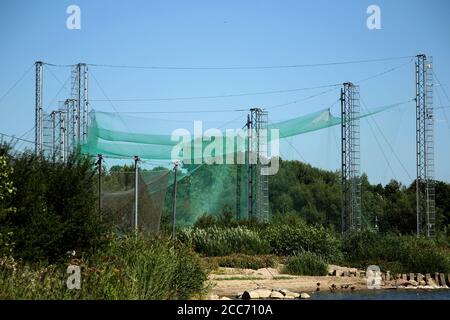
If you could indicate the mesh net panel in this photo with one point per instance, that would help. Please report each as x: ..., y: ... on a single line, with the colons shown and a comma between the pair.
x: 110, y: 134
x: 118, y: 199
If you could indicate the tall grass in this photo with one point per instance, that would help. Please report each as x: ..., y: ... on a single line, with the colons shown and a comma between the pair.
x: 306, y: 264
x: 287, y: 240
x: 218, y: 241
x: 129, y: 268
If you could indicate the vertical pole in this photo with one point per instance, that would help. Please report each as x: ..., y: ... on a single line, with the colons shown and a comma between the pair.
x: 100, y: 164
x: 79, y: 103
x: 53, y: 116
x: 85, y: 104
x: 417, y: 147
x: 342, y: 162
x: 136, y: 186
x: 175, y: 169
x: 38, y: 108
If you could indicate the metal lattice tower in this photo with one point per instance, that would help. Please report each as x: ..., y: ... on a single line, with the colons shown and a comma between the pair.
x: 59, y: 133
x: 39, y: 116
x: 350, y: 170
x: 425, y: 193
x: 257, y: 183
x: 79, y: 92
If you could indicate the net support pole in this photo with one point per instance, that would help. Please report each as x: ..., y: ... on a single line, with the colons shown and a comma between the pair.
x: 38, y: 126
x: 174, y: 208
x: 100, y: 164
x: 136, y: 182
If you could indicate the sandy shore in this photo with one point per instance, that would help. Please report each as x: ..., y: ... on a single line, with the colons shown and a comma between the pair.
x: 231, y: 282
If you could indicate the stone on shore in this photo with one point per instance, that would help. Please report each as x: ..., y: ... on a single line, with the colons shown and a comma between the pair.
x: 289, y: 294
x: 304, y: 295
x: 276, y: 295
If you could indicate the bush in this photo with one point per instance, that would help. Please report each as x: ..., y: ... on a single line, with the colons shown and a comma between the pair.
x: 306, y: 264
x: 215, y: 241
x: 243, y: 261
x: 289, y: 240
x: 404, y: 253
x: 130, y: 268
x: 55, y: 208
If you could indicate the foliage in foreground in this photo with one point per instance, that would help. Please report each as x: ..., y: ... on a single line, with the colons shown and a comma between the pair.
x: 306, y: 264
x: 128, y: 269
x: 52, y: 208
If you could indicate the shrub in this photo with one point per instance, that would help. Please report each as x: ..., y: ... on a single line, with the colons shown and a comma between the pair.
x: 55, y: 208
x: 404, y: 253
x: 243, y: 261
x: 129, y: 268
x: 215, y: 241
x: 289, y: 240
x: 306, y: 264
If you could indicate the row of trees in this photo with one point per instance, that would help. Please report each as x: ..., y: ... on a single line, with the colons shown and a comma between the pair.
x: 314, y: 194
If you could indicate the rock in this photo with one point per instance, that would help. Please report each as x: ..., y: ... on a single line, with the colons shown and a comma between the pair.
x: 289, y: 293
x: 422, y: 283
x: 430, y: 282
x: 401, y: 282
x: 263, y: 293
x: 212, y: 296
x: 304, y: 295
x: 256, y: 294
x: 276, y: 295
x: 442, y: 280
x: 410, y: 287
x: 412, y: 283
x: 225, y: 298
x: 239, y: 295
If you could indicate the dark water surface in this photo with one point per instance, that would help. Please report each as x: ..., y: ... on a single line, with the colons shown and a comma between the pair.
x: 384, y: 295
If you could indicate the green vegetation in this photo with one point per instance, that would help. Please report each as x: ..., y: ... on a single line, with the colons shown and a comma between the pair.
x: 396, y: 253
x: 306, y: 264
x: 128, y: 268
x: 54, y: 208
x: 314, y: 195
x: 219, y: 241
x: 291, y: 239
x: 50, y: 209
x: 290, y: 236
x: 243, y: 261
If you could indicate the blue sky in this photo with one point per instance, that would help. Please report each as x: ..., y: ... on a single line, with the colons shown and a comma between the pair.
x: 238, y: 33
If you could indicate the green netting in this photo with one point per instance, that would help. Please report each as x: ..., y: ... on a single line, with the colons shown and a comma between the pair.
x: 202, y: 189
x: 118, y: 199
x: 127, y: 136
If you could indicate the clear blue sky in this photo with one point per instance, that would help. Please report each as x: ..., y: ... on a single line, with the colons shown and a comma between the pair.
x: 237, y: 33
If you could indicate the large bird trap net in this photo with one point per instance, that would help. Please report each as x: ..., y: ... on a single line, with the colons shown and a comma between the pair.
x: 119, y: 199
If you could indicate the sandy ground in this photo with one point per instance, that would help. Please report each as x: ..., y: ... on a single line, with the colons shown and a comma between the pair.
x: 230, y: 282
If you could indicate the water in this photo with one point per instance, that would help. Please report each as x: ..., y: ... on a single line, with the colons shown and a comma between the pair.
x: 384, y: 295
